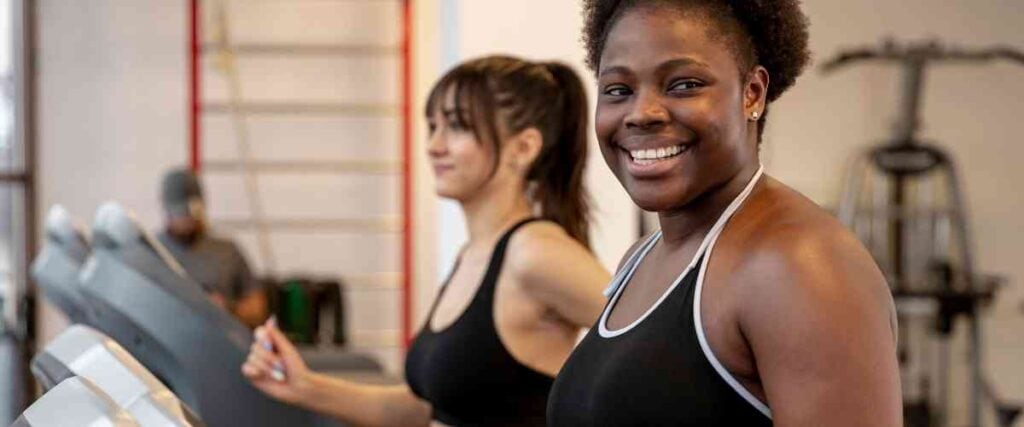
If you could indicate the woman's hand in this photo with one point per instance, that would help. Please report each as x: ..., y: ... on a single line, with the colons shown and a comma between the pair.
x: 275, y: 367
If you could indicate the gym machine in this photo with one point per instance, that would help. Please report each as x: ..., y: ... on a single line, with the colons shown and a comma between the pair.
x: 904, y: 199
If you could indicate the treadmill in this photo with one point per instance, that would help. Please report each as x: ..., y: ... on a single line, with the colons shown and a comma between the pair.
x: 144, y: 300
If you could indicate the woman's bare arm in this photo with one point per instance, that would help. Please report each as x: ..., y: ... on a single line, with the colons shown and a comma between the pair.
x: 816, y: 313
x: 359, y: 404
x: 559, y: 272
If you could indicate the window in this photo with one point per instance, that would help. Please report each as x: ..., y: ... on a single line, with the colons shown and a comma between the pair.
x: 16, y: 216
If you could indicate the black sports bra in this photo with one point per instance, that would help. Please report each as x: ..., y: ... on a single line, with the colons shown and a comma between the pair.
x: 466, y: 372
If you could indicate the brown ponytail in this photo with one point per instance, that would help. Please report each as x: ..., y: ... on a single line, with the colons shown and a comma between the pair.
x: 521, y: 94
x: 558, y: 171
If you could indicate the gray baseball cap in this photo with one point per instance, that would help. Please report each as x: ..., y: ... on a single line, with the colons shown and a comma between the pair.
x: 180, y: 189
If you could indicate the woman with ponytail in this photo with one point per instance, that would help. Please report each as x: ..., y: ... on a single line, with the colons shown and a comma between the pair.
x: 508, y: 141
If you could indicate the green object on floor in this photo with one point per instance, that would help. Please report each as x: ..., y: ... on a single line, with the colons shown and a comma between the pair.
x: 294, y: 313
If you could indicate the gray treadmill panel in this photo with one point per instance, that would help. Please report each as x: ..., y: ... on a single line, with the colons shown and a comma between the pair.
x: 84, y: 352
x: 56, y: 267
x: 75, y: 402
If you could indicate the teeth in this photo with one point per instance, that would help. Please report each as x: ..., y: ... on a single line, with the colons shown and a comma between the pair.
x: 651, y: 155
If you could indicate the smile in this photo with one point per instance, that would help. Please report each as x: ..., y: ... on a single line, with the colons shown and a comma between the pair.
x: 654, y: 155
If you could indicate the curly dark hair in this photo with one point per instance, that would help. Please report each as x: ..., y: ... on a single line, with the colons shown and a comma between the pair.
x: 771, y: 33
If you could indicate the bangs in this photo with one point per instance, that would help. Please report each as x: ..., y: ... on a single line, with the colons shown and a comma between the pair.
x: 464, y: 99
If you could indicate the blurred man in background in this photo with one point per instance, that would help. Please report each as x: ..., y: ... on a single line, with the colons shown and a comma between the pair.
x: 216, y: 264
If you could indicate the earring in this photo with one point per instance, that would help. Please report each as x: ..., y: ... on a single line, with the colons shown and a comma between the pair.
x: 754, y: 116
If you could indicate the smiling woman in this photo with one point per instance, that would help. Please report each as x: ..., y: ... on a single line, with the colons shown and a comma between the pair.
x: 751, y: 305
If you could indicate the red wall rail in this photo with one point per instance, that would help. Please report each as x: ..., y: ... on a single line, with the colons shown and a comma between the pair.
x: 407, y: 172
x: 195, y: 153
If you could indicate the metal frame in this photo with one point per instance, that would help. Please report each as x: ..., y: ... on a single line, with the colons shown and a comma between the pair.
x: 194, y: 81
x: 962, y: 293
x: 24, y: 112
x: 19, y: 177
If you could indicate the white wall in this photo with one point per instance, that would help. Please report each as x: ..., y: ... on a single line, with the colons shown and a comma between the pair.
x: 112, y: 98
x: 490, y: 27
x: 112, y: 102
x: 427, y: 65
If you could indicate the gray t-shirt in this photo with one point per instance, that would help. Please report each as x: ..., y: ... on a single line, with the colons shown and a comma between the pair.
x: 215, y: 263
